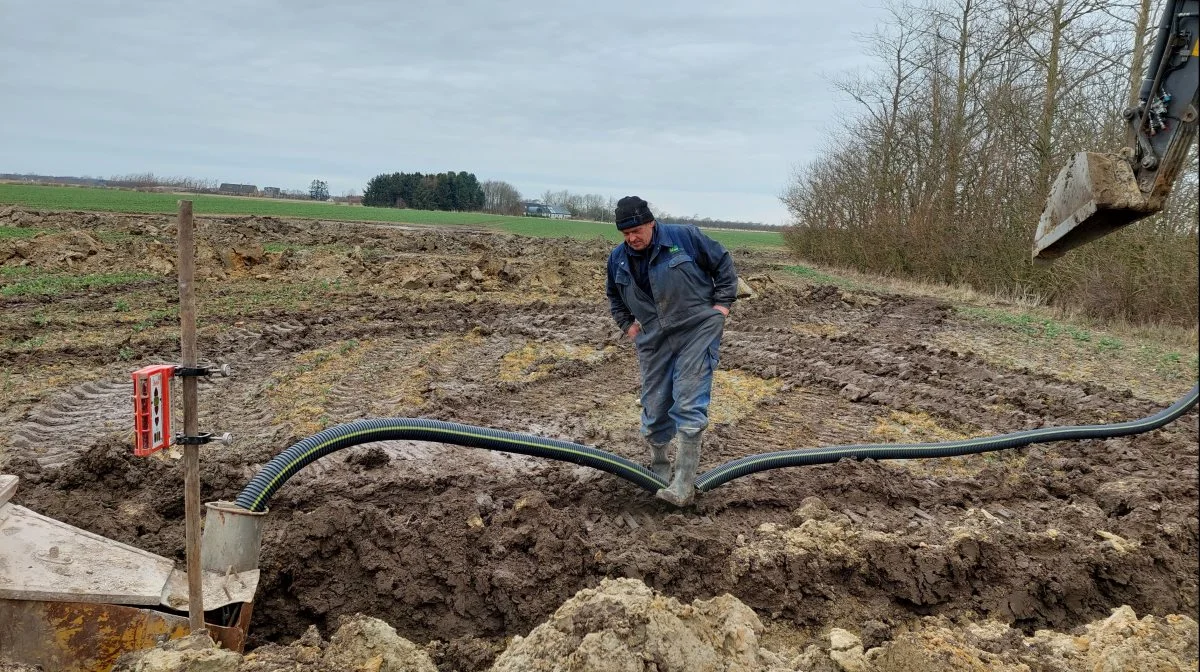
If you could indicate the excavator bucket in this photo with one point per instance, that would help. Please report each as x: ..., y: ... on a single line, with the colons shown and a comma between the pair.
x: 1094, y: 195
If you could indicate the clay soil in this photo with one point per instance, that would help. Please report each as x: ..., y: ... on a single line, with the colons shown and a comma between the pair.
x: 461, y: 549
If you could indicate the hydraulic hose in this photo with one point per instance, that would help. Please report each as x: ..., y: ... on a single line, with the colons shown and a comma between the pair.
x: 883, y: 451
x: 258, y: 492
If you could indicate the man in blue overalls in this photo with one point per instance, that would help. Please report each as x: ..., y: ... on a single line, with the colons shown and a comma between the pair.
x: 669, y: 289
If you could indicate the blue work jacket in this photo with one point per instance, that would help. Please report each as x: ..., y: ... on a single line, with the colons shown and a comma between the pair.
x: 689, y: 274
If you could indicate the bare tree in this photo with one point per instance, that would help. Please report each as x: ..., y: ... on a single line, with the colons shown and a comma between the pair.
x: 944, y: 169
x: 592, y: 207
x: 501, y: 198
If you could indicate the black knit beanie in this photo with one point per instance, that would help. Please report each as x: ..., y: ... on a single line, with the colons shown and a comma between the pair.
x: 632, y: 211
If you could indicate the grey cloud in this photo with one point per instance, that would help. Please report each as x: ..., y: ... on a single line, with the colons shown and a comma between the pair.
x: 688, y: 98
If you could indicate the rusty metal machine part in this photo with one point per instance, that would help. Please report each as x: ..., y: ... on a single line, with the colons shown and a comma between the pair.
x: 73, y: 600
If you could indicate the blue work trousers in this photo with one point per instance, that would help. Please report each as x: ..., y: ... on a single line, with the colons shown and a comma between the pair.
x: 677, y: 372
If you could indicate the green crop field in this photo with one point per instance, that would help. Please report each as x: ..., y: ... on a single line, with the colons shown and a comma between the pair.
x: 88, y: 199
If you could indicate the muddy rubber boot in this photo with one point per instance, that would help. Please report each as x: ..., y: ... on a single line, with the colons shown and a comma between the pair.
x: 682, y: 489
x: 660, y: 464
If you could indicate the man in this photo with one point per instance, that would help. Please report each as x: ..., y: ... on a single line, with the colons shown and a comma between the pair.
x: 669, y: 289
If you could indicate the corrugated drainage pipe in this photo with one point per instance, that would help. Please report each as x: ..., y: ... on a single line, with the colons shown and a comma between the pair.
x: 258, y: 492
x: 911, y: 451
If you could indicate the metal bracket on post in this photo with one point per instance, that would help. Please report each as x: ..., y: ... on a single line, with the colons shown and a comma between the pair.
x: 202, y: 438
x: 192, y: 371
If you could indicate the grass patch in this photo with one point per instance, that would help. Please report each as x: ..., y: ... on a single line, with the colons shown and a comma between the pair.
x: 17, y: 232
x: 1037, y: 327
x: 250, y: 296
x: 1163, y: 358
x: 905, y: 427
x: 539, y: 227
x: 26, y: 345
x: 16, y: 271
x: 154, y: 318
x: 1108, y: 344
x: 551, y: 228
x: 1157, y: 358
x: 54, y: 284
x: 282, y: 247
x: 1032, y: 325
x: 815, y: 276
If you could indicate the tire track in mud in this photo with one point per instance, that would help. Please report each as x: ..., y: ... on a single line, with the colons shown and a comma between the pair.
x: 435, y: 363
x: 883, y: 369
x: 57, y: 431
x: 558, y: 405
x: 795, y: 419
x: 462, y: 382
x: 451, y: 370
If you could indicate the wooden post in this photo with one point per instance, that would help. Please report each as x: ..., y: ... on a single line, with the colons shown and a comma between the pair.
x: 191, y: 420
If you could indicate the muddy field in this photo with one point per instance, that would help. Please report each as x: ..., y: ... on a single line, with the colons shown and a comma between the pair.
x: 461, y: 550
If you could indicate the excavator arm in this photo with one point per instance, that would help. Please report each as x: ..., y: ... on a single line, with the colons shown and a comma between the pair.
x: 1098, y: 193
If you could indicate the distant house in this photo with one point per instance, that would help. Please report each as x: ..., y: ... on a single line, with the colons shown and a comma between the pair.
x: 270, y: 192
x: 539, y: 209
x: 238, y: 189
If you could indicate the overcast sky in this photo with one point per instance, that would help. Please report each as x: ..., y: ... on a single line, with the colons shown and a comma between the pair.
x: 699, y: 107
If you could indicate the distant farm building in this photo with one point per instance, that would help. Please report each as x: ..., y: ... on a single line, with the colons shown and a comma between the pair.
x: 238, y: 189
x: 537, y: 209
x: 270, y: 192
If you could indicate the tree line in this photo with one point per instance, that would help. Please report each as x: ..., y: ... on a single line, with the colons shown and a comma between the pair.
x: 503, y: 198
x: 440, y: 191
x: 950, y: 143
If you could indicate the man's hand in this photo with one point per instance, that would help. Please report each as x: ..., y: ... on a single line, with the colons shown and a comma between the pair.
x: 633, y: 330
x: 723, y: 309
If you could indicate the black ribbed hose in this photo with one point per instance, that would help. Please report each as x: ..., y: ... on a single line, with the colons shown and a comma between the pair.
x: 908, y: 451
x: 258, y: 492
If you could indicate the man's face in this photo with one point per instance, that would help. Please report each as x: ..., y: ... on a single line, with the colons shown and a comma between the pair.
x: 638, y: 238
